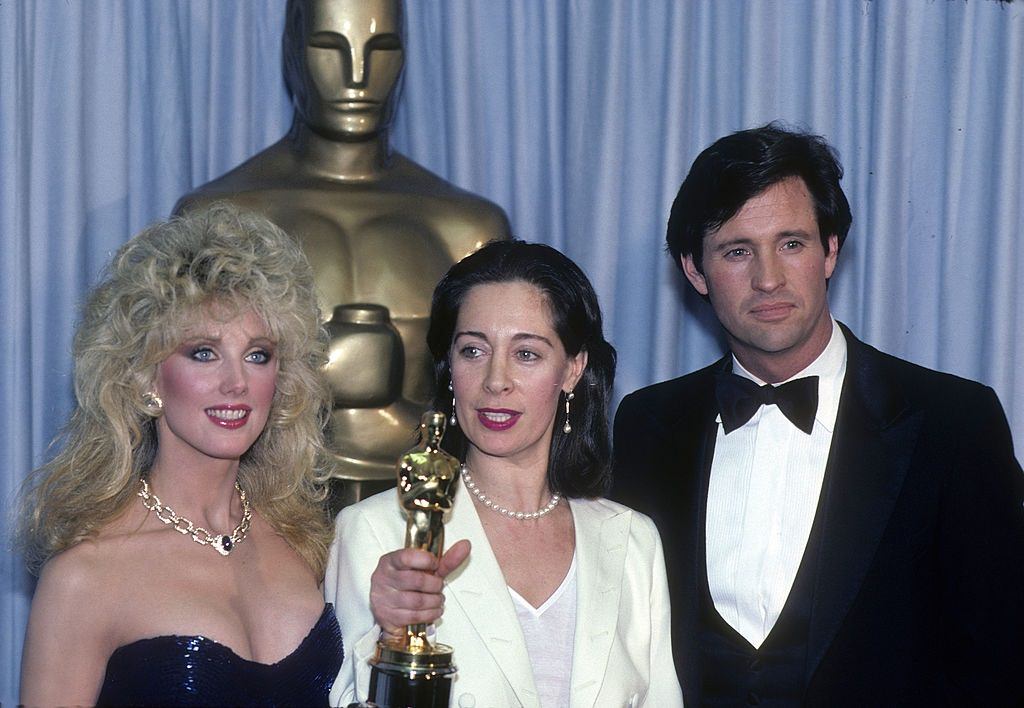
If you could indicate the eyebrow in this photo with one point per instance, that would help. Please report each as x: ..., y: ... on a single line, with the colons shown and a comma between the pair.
x: 213, y: 339
x: 794, y: 233
x: 747, y: 241
x: 518, y: 337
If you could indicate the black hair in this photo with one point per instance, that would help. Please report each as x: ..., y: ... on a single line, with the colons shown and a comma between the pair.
x: 579, y: 464
x: 742, y: 165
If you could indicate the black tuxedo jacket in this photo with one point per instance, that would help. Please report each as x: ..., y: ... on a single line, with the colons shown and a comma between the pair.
x: 919, y: 594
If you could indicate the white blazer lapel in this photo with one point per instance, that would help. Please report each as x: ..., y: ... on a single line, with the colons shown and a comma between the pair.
x: 602, y: 536
x: 479, y: 589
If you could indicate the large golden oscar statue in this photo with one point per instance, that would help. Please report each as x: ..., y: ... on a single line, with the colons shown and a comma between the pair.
x: 379, y: 229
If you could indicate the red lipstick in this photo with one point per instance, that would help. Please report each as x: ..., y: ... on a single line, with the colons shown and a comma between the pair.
x: 497, y: 418
x: 229, y: 416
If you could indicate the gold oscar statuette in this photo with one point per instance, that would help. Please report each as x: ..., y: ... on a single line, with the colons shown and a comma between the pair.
x: 412, y: 671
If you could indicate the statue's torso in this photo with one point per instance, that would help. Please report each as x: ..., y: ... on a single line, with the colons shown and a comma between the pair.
x: 369, y: 247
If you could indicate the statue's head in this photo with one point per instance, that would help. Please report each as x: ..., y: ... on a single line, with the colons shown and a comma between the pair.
x: 432, y: 423
x: 342, y: 63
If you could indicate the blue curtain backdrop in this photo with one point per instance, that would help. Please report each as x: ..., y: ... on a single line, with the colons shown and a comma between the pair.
x: 579, y: 118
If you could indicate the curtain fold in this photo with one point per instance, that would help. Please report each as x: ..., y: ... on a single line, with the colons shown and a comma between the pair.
x: 579, y: 118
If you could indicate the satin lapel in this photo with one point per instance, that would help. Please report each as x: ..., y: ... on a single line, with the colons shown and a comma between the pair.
x: 601, y: 540
x: 479, y: 589
x: 871, y: 450
x: 685, y: 553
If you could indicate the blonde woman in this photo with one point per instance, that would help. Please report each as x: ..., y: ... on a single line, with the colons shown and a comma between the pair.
x: 181, y: 529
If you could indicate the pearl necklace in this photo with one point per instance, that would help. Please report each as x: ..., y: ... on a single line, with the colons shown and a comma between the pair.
x: 491, y: 504
x: 223, y: 544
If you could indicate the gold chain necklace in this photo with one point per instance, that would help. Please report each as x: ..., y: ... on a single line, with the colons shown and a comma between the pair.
x: 223, y: 544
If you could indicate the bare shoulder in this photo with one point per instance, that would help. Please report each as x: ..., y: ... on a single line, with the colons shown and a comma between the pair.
x: 83, y: 587
x: 73, y: 574
x: 71, y: 608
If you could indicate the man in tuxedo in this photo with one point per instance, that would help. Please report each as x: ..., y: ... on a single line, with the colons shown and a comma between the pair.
x: 841, y: 527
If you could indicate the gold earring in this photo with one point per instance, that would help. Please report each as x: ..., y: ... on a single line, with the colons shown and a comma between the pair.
x: 567, y: 428
x: 153, y: 402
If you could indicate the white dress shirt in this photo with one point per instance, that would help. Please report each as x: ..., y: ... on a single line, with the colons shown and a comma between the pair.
x: 766, y: 478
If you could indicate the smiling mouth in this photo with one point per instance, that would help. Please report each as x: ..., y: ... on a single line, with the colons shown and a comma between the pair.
x: 229, y: 417
x: 497, y: 419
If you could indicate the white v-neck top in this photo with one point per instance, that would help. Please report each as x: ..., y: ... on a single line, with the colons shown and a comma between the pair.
x: 549, y: 631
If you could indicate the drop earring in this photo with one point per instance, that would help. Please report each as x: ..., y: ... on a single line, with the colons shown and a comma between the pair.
x: 452, y: 421
x: 567, y: 428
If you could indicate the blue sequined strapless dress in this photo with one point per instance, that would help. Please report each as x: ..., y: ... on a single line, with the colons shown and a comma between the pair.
x: 196, y: 671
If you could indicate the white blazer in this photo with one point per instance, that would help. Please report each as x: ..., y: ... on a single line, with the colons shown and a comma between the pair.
x: 622, y: 654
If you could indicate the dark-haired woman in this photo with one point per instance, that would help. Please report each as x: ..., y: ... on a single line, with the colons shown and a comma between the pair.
x: 562, y: 600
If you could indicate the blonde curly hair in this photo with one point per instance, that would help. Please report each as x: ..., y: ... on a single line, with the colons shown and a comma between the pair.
x: 157, y: 284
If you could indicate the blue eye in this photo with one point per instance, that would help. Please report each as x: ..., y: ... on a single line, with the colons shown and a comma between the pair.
x: 470, y: 352
x: 259, y: 356
x: 527, y: 355
x: 202, y: 354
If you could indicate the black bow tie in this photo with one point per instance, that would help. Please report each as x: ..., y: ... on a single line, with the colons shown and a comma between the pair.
x: 739, y: 398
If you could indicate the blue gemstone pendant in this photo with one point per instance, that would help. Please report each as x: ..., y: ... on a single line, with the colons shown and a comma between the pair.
x: 224, y: 544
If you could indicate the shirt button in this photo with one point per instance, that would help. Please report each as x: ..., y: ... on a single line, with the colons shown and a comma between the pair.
x: 467, y: 700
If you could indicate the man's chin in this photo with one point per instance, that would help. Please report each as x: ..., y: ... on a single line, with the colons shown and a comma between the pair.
x: 766, y: 340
